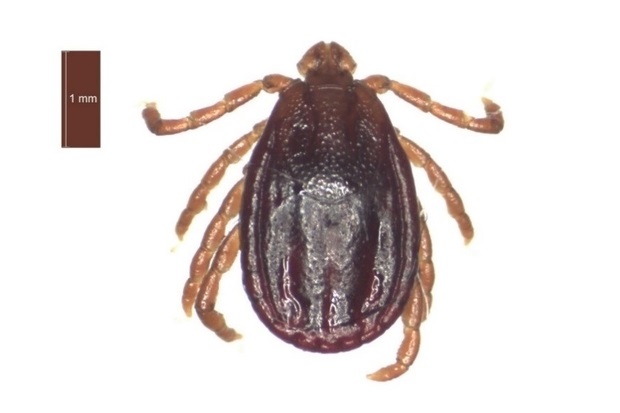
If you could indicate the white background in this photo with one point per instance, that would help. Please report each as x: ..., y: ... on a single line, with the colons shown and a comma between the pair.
x: 524, y: 319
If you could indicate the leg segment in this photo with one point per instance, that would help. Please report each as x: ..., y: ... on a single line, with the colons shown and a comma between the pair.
x: 205, y: 305
x: 210, y: 242
x: 492, y: 123
x: 198, y: 200
x: 420, y: 158
x: 414, y: 313
x: 200, y: 117
x: 426, y: 269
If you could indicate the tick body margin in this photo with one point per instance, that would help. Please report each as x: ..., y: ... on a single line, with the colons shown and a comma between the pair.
x: 333, y: 246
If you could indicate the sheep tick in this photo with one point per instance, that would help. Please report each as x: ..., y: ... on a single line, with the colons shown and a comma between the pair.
x: 333, y: 246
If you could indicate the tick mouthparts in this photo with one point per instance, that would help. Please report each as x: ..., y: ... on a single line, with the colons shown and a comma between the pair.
x: 326, y: 57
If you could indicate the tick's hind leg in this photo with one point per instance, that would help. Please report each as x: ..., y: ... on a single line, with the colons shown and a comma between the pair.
x: 210, y: 242
x: 492, y: 123
x: 420, y: 158
x: 414, y: 313
x: 207, y: 295
x: 198, y: 200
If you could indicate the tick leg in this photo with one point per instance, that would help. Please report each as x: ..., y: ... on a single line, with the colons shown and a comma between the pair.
x: 205, y: 305
x: 492, y: 123
x: 198, y: 200
x: 210, y: 242
x: 426, y: 269
x: 414, y: 313
x: 420, y: 158
x: 200, y: 117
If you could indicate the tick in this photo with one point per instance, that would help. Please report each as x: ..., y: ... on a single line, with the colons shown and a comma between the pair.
x: 334, y: 246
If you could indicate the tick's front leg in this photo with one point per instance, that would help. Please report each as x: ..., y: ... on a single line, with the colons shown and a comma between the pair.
x: 492, y: 123
x: 200, y: 117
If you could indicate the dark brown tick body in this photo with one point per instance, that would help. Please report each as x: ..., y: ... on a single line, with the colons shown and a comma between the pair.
x: 329, y: 218
x: 332, y: 247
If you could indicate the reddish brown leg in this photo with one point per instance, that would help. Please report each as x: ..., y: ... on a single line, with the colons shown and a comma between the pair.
x: 205, y: 305
x: 414, y: 313
x: 492, y: 123
x: 210, y: 242
x: 426, y: 269
x: 200, y: 117
x: 198, y: 200
x: 420, y: 158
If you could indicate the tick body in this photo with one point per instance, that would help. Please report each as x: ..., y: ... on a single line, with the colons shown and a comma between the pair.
x: 333, y: 249
x: 327, y: 239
